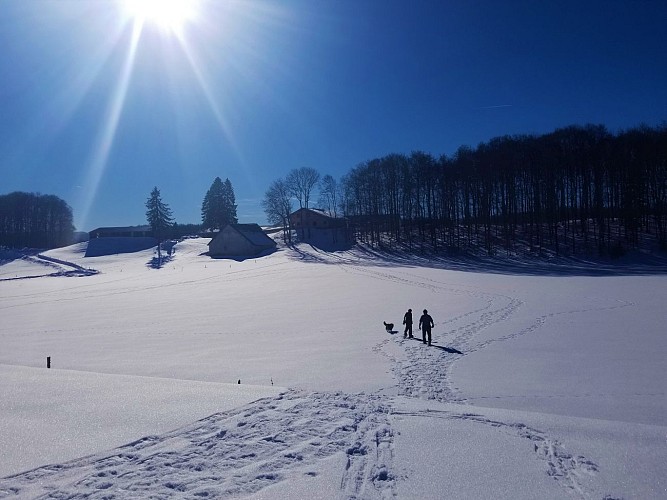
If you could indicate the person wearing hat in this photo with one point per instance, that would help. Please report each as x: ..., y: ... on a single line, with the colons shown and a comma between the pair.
x: 407, y: 321
x: 425, y: 325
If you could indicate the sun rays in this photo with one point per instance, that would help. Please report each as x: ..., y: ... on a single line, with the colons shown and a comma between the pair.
x: 182, y: 54
x: 106, y: 135
x: 170, y: 15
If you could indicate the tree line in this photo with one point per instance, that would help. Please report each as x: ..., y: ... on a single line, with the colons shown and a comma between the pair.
x: 575, y: 189
x: 45, y: 221
x: 34, y: 220
x: 571, y: 190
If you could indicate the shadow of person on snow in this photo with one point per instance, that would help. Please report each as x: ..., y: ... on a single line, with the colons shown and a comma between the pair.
x: 450, y: 350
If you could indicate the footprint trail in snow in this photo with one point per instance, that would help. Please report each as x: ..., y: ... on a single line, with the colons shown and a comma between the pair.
x: 234, y: 453
x: 241, y: 452
x: 425, y: 373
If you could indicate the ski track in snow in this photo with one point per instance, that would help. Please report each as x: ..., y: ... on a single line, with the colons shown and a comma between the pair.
x: 54, y: 297
x: 242, y: 451
x: 56, y: 267
x: 562, y: 466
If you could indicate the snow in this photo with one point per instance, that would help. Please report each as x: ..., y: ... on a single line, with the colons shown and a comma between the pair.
x: 547, y: 383
x: 55, y: 415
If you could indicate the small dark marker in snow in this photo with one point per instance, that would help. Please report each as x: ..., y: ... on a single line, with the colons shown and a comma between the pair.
x: 239, y: 381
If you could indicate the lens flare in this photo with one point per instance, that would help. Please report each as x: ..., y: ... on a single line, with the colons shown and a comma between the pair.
x: 106, y: 137
x: 170, y: 15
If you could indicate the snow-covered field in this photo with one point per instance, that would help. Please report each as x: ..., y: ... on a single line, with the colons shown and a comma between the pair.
x: 544, y: 382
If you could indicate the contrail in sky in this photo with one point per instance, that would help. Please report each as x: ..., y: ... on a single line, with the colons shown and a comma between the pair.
x: 496, y: 106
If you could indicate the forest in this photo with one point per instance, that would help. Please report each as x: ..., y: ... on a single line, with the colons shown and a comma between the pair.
x: 35, y: 221
x: 578, y: 189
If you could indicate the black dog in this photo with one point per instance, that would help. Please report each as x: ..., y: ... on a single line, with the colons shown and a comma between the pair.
x: 388, y: 326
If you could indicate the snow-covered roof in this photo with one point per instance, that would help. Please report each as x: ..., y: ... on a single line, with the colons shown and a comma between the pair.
x: 319, y: 211
x: 254, y: 234
x: 251, y: 232
x: 121, y: 228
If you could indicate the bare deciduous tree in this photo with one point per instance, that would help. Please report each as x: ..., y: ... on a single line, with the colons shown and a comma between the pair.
x: 577, y: 188
x: 329, y: 195
x: 277, y: 205
x: 301, y: 182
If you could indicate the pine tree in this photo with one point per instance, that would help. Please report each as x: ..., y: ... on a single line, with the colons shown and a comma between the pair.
x: 229, y: 203
x: 211, y: 209
x: 219, y: 206
x: 158, y: 215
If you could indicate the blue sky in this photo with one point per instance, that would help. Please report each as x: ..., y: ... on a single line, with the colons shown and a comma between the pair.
x: 98, y: 108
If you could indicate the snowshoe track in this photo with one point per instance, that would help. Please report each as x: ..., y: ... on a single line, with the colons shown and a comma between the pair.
x: 234, y: 453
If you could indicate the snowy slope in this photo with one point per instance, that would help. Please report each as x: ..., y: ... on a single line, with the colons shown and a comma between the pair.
x: 55, y: 415
x: 536, y: 386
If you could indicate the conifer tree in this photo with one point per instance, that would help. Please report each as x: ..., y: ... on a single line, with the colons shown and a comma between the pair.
x: 219, y: 205
x: 158, y: 215
x: 229, y: 203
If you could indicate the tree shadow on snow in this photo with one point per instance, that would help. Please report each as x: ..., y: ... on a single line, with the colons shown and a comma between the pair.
x: 361, y: 255
x: 156, y: 263
x: 307, y: 256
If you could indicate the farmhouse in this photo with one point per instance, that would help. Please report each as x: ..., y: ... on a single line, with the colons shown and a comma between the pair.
x: 240, y: 240
x: 317, y: 226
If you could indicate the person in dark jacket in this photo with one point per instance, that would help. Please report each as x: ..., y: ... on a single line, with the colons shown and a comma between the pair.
x: 425, y: 325
x: 407, y: 321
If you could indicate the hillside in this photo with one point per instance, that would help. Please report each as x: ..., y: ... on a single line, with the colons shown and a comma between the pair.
x: 274, y: 377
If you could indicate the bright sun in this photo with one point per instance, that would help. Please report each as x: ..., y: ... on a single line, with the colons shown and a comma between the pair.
x: 168, y: 14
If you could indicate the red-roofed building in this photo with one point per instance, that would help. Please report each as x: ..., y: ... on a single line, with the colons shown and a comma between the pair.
x: 315, y: 225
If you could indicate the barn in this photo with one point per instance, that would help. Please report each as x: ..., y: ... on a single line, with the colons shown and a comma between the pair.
x: 318, y: 227
x: 121, y: 232
x: 240, y: 240
x: 114, y: 240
